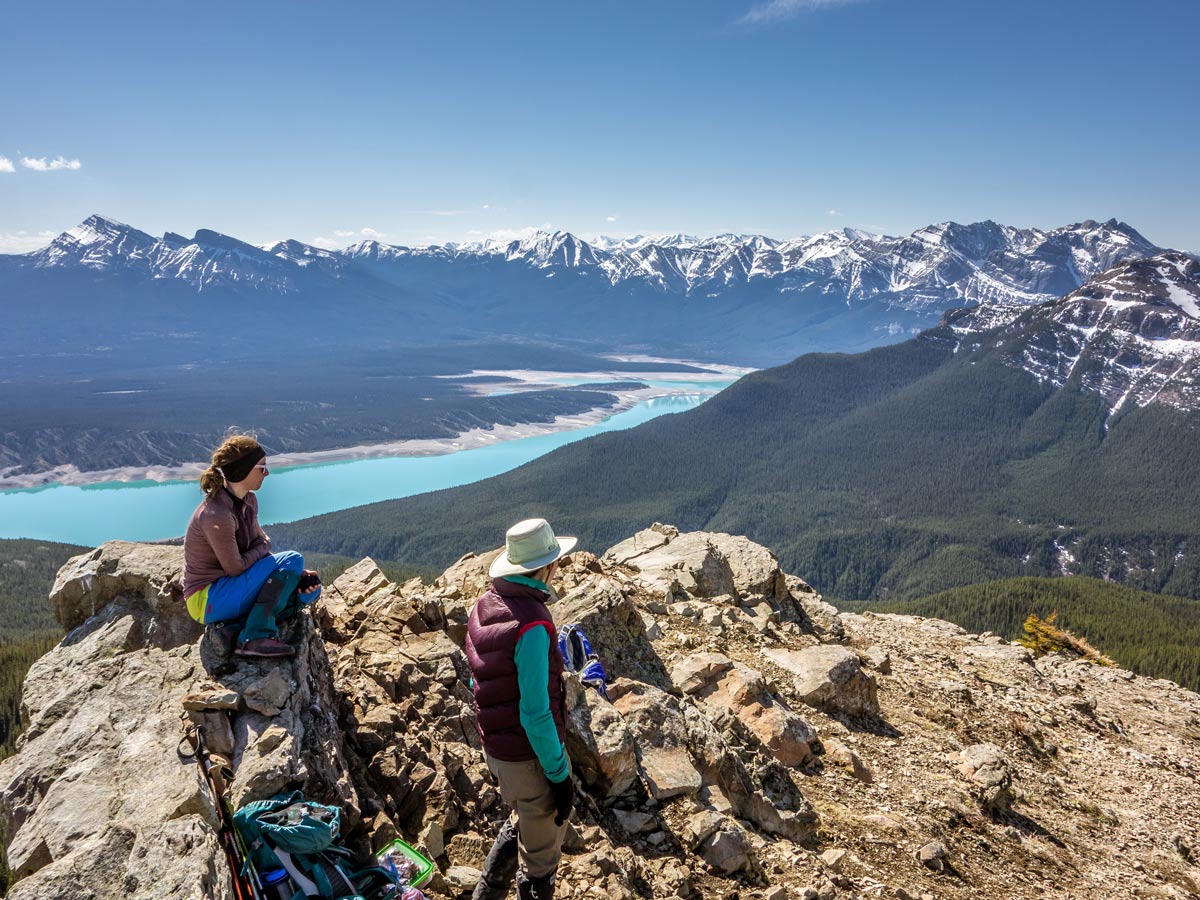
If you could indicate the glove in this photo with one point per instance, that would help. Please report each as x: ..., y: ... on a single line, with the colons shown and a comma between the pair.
x: 564, y: 799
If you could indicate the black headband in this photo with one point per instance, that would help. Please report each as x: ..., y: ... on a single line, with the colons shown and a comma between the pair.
x: 241, y: 467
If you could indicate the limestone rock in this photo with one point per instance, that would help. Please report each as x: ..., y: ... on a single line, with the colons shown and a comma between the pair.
x: 990, y: 774
x: 688, y: 562
x: 640, y: 544
x: 269, y: 693
x: 148, y: 573
x: 635, y: 822
x: 880, y: 660
x: 830, y: 677
x: 933, y: 856
x: 756, y: 786
x: 754, y: 568
x: 458, y: 588
x: 104, y: 721
x: 788, y: 736
x: 378, y: 717
x: 601, y: 746
x: 736, y: 687
x: 660, y: 733
x: 212, y: 697
x: 838, y: 754
x: 614, y: 626
x: 695, y: 672
x: 727, y: 849
x: 461, y: 880
x: 816, y: 615
x: 833, y: 859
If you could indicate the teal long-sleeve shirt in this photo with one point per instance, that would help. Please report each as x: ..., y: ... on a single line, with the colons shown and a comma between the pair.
x: 533, y: 677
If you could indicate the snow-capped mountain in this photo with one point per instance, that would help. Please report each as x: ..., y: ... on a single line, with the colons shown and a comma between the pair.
x: 747, y: 299
x: 207, y: 260
x: 1130, y: 334
x: 938, y: 266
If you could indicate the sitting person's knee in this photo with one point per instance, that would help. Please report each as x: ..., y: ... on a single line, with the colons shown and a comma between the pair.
x: 290, y: 561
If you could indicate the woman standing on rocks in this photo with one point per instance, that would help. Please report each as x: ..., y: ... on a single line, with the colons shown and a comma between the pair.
x: 516, y: 669
x: 232, y: 581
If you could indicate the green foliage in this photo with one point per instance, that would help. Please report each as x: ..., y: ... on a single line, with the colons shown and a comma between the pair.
x: 27, y: 626
x: 1043, y: 636
x: 890, y: 474
x: 1150, y: 634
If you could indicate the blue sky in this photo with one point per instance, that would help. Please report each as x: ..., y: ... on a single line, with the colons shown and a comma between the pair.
x: 424, y: 123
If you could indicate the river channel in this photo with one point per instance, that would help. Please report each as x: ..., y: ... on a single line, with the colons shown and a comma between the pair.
x: 152, y: 510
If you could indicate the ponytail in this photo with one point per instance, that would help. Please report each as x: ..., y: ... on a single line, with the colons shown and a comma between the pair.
x: 211, y: 481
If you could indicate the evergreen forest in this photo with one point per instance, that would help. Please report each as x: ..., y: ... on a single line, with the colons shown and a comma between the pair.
x: 888, y: 475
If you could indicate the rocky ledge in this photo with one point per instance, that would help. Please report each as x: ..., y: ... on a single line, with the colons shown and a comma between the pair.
x: 754, y: 744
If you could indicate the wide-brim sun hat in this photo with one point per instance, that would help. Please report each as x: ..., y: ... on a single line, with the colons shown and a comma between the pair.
x: 528, y: 546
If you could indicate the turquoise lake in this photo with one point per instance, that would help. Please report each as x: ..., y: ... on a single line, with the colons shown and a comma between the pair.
x: 149, y: 510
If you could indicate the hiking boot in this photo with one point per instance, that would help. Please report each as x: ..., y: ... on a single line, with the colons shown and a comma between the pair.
x: 223, y: 637
x: 266, y: 647
x: 500, y: 866
x: 540, y: 888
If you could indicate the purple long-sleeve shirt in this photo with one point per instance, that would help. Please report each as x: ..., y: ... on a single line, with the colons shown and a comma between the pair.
x: 223, y: 538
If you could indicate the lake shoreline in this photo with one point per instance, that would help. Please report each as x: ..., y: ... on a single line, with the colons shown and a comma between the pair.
x: 71, y: 476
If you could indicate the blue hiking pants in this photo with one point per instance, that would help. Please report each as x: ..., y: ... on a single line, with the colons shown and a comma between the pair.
x: 231, y: 599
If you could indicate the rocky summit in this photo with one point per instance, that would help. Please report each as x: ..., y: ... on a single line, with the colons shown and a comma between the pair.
x: 754, y: 743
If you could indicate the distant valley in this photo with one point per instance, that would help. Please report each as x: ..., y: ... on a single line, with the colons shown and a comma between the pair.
x: 1018, y: 441
x: 127, y: 350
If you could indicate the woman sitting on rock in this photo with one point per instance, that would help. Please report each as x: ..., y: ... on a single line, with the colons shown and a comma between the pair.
x: 232, y: 581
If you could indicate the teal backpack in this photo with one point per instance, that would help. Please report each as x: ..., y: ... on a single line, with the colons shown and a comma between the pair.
x: 295, y: 834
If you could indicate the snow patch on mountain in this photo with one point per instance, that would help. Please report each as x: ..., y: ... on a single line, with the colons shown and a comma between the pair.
x: 1130, y: 334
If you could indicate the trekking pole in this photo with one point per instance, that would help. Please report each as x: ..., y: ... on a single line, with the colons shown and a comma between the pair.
x: 193, y: 743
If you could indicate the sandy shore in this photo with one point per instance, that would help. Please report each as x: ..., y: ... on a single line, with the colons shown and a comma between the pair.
x: 478, y: 437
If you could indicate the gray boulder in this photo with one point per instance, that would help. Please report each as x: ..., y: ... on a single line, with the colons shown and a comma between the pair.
x: 987, y: 769
x: 702, y: 564
x: 829, y: 677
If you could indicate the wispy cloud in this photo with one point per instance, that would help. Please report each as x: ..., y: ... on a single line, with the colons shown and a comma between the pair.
x: 6, y: 165
x: 24, y: 241
x: 832, y: 212
x: 610, y: 218
x: 41, y: 164
x: 781, y: 10
x: 341, y: 238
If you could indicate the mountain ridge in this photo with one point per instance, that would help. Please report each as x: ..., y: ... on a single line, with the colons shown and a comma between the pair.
x: 971, y: 254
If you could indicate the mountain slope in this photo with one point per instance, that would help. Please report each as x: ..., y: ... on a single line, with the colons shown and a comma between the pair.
x: 952, y: 458
x: 1150, y: 634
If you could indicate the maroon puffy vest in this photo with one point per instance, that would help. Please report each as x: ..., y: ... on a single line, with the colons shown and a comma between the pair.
x: 505, y: 612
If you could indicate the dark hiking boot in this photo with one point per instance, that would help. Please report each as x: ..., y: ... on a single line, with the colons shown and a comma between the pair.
x: 266, y: 647
x: 223, y: 637
x: 500, y: 866
x: 540, y: 888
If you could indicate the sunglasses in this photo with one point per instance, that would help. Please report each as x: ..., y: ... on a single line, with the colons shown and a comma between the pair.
x: 263, y: 467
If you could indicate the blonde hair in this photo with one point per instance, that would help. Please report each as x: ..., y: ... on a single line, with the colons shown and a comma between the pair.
x: 232, y: 448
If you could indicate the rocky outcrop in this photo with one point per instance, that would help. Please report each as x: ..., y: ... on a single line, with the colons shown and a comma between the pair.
x: 98, y: 802
x: 755, y: 742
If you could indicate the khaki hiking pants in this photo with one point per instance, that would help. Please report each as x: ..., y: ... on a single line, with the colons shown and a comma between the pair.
x: 524, y: 787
